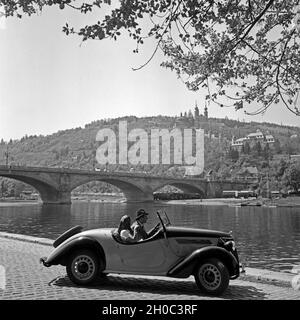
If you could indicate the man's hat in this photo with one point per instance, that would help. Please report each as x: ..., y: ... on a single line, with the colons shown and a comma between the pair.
x: 140, y: 213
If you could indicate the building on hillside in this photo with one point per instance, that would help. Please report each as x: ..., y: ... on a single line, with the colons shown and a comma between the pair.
x: 269, y: 138
x: 295, y: 157
x: 197, y: 118
x: 252, y: 139
x: 238, y: 142
x: 258, y: 135
x: 182, y: 122
x: 212, y: 130
x: 278, y: 157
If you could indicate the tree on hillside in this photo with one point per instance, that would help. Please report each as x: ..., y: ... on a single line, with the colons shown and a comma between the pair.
x: 240, y: 51
x: 224, y: 171
x: 257, y: 149
x: 243, y: 149
x: 247, y: 148
x: 288, y: 148
x: 292, y: 176
x: 295, y: 144
x: 266, y: 152
x: 281, y: 169
x: 233, y: 154
x: 277, y: 147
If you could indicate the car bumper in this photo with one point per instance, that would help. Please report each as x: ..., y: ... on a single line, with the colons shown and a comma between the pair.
x: 240, y: 269
x: 43, y: 260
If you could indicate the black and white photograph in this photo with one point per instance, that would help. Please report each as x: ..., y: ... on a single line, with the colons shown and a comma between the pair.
x: 149, y: 154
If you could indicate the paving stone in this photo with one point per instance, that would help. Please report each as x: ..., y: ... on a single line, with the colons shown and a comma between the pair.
x: 27, y: 279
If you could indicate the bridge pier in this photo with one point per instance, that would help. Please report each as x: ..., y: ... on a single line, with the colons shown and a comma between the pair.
x: 133, y: 196
x: 56, y: 197
x: 214, y: 190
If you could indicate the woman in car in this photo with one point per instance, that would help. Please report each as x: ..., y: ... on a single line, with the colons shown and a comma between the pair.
x: 124, y: 231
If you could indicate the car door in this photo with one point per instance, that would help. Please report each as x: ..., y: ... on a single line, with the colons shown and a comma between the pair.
x: 147, y: 257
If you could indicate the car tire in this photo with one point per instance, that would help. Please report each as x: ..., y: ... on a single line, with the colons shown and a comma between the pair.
x: 212, y: 277
x: 83, y: 267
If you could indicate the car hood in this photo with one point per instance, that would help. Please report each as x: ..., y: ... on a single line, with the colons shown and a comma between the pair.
x: 193, y: 232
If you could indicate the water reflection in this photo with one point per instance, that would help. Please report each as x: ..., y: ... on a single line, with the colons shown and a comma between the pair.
x: 52, y: 218
x: 266, y: 237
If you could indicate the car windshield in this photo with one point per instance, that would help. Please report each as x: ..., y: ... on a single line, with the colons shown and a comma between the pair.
x: 164, y: 217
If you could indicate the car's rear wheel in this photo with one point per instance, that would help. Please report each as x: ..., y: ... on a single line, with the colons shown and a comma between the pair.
x: 83, y: 267
x: 212, y: 277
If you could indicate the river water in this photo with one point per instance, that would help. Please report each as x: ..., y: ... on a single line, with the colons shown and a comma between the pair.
x: 265, y: 237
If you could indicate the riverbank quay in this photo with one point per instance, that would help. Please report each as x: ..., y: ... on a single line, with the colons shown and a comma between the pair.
x: 27, y: 279
x: 290, y: 202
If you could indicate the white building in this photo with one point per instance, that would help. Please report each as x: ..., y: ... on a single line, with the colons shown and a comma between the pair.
x: 270, y: 138
x: 253, y: 137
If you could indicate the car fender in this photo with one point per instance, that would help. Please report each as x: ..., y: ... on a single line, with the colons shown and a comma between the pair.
x: 66, y: 235
x: 186, y: 267
x: 62, y: 252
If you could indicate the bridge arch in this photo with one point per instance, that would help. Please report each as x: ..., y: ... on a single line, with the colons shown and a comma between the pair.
x: 131, y: 190
x: 186, y: 187
x: 48, y: 192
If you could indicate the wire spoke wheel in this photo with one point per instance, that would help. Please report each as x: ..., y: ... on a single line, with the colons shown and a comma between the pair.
x: 212, y: 277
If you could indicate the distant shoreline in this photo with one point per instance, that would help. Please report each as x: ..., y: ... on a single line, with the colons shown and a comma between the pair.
x: 104, y: 197
x: 233, y: 202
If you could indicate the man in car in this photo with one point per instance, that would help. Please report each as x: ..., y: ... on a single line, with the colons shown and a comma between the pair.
x: 138, y: 226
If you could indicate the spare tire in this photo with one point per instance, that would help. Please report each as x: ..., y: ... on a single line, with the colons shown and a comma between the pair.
x: 66, y: 235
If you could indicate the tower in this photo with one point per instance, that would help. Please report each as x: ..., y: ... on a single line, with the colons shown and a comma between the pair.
x: 197, y: 116
x: 196, y: 113
x: 205, y: 112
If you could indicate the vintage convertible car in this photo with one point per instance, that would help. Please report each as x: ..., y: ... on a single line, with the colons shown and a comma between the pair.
x: 172, y: 251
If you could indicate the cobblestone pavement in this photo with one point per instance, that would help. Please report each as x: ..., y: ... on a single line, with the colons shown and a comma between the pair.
x: 26, y: 279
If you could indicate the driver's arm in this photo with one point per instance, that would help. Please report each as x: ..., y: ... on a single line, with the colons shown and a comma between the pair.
x: 153, y: 230
x: 139, y: 233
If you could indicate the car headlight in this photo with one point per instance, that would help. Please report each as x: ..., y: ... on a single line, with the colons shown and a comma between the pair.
x: 230, y: 245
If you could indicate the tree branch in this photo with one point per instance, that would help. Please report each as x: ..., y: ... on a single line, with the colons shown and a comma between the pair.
x: 253, y: 24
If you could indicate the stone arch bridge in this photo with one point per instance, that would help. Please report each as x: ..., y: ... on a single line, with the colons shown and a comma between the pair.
x: 56, y: 184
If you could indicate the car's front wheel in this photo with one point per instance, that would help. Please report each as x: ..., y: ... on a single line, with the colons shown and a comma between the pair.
x: 212, y: 277
x: 83, y: 267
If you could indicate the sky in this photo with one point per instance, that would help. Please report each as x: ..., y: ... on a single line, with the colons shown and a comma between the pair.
x: 51, y: 82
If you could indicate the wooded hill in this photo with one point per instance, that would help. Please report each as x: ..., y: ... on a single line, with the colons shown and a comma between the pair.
x: 76, y: 148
